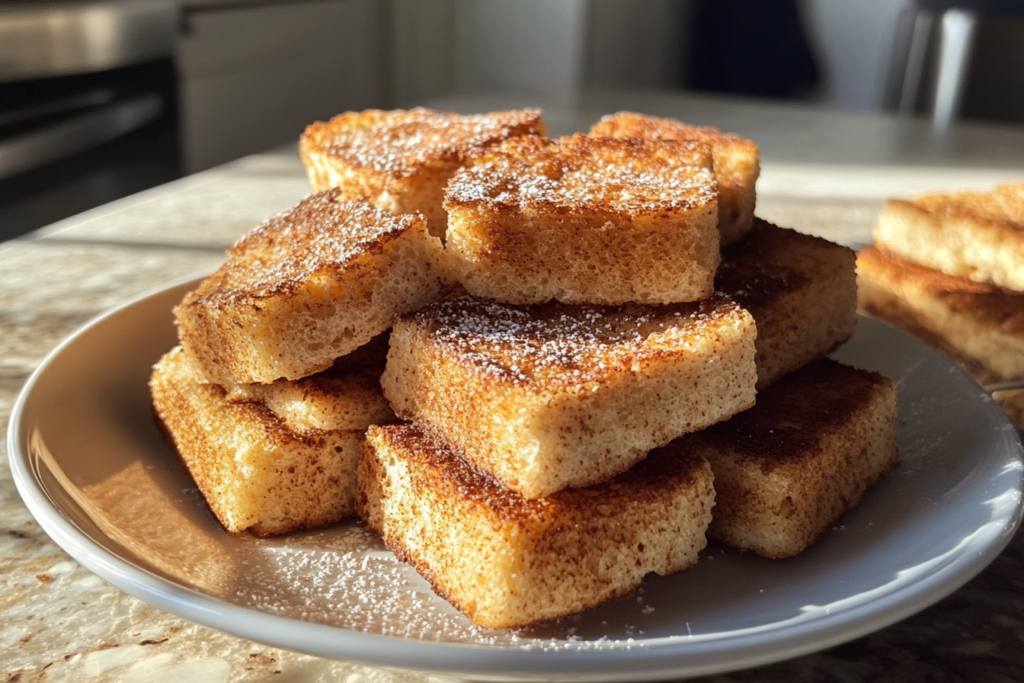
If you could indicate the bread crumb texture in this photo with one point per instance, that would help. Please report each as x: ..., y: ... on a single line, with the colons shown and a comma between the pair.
x: 788, y: 468
x: 307, y: 286
x: 255, y: 472
x: 976, y: 236
x: 586, y: 220
x: 507, y: 561
x: 556, y: 395
x: 736, y: 163
x: 401, y: 161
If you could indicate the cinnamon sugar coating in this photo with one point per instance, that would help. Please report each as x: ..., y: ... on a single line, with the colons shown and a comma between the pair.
x: 506, y: 561
x: 307, y: 286
x: 553, y: 396
x: 322, y: 234
x: 789, y: 467
x: 979, y: 324
x: 400, y: 160
x: 973, y: 235
x: 585, y: 220
x: 581, y: 174
x: 801, y: 290
x: 402, y: 143
x: 736, y: 163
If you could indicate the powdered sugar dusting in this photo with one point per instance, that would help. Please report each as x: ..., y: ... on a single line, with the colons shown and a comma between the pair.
x: 319, y: 234
x: 584, y: 173
x: 402, y: 143
x: 344, y: 577
x: 563, y: 344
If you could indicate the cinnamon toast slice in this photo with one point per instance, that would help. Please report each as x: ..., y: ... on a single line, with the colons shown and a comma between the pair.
x: 979, y: 324
x: 973, y: 235
x: 801, y: 290
x: 506, y: 561
x: 736, y: 163
x: 788, y: 468
x: 256, y: 471
x: 554, y: 396
x: 308, y: 286
x: 400, y: 161
x: 345, y: 396
x: 585, y: 220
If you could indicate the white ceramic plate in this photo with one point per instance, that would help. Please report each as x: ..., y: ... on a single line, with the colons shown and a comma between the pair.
x: 94, y: 471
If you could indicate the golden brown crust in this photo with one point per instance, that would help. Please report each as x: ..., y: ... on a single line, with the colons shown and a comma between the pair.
x: 319, y: 237
x: 507, y: 561
x: 585, y: 220
x: 801, y: 290
x: 787, y: 469
x: 255, y: 472
x: 980, y: 325
x: 345, y: 396
x: 985, y: 303
x: 440, y: 470
x: 400, y: 161
x: 972, y: 235
x: 561, y: 347
x: 553, y: 396
x: 308, y: 286
x: 398, y: 144
x: 736, y: 163
x: 601, y: 177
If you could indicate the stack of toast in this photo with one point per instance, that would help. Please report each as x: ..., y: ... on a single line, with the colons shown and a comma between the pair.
x: 950, y: 269
x: 568, y: 398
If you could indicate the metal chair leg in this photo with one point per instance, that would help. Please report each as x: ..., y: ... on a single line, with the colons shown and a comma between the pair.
x: 958, y: 28
x: 919, y: 38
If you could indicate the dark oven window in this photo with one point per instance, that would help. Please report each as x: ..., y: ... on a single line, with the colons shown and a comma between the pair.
x: 70, y: 143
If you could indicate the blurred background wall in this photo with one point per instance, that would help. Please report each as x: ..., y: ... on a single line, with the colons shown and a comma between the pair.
x: 240, y: 76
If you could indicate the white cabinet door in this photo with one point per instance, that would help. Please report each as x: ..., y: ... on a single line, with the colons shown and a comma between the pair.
x: 253, y: 77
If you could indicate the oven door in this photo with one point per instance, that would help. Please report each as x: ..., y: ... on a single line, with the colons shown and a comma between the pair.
x: 88, y: 106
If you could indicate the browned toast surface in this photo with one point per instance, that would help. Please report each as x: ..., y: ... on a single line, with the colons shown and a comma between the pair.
x: 400, y: 160
x: 507, y: 561
x: 320, y: 236
x: 345, y: 396
x: 977, y: 236
x: 980, y: 323
x: 801, y: 290
x: 585, y: 220
x: 254, y: 470
x: 401, y: 143
x: 788, y: 468
x: 308, y: 286
x: 736, y: 163
x: 555, y: 395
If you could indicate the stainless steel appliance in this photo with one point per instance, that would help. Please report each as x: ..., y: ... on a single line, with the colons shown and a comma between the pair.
x: 88, y: 105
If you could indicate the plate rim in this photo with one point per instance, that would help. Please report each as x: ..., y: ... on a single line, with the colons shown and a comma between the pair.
x: 668, y: 655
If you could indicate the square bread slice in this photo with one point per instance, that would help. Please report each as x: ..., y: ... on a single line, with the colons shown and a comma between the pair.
x: 506, y: 561
x: 307, y: 286
x: 789, y: 467
x: 586, y: 220
x: 400, y: 161
x: 736, y: 161
x: 972, y: 235
x: 256, y: 471
x: 978, y: 321
x: 555, y: 396
x: 345, y: 396
x: 801, y: 290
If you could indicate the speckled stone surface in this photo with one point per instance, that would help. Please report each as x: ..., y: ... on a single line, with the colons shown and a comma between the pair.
x: 59, y: 622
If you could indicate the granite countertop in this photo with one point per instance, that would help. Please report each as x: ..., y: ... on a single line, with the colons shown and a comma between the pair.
x: 59, y: 622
